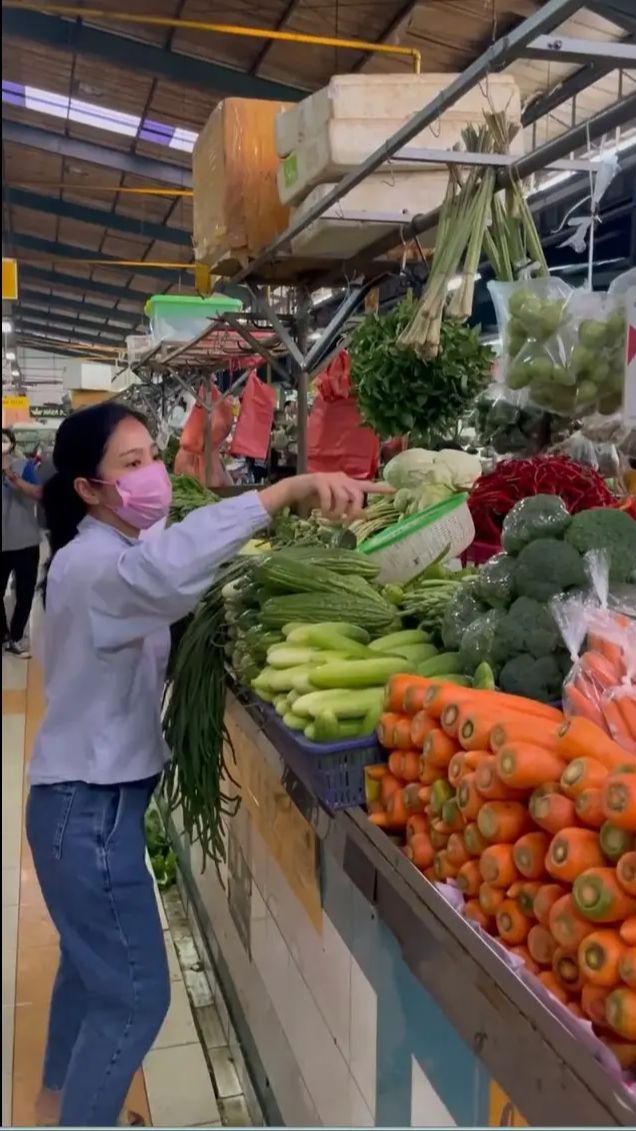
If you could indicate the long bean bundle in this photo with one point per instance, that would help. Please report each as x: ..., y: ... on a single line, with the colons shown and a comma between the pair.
x: 194, y: 727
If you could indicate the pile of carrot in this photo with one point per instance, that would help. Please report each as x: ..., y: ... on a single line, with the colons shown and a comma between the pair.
x: 533, y: 817
x: 600, y: 688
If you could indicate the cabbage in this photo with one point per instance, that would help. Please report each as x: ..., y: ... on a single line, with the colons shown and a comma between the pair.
x: 408, y: 469
x: 464, y: 468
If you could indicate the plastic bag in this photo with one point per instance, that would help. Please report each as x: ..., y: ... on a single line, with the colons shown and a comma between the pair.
x: 338, y: 440
x: 221, y: 420
x: 601, y: 685
x: 505, y: 421
x: 254, y: 425
x: 564, y: 349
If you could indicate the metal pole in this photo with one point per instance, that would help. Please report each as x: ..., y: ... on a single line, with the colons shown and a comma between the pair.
x: 498, y: 55
x: 302, y: 400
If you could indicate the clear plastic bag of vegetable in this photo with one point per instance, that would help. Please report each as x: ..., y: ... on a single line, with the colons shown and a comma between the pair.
x: 601, y: 683
x: 494, y: 584
x: 479, y: 641
x: 463, y: 608
x: 597, y: 358
x: 538, y: 516
x: 533, y: 320
x: 505, y: 421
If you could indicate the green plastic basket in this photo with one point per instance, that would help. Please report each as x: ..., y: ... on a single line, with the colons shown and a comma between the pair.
x: 406, y: 548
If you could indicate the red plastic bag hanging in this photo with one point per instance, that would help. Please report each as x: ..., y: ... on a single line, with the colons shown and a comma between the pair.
x: 338, y: 441
x: 193, y: 434
x: 254, y: 425
x: 334, y: 383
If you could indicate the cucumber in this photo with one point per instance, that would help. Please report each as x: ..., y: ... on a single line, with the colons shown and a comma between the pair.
x: 327, y: 637
x: 310, y: 732
x: 356, y: 673
x: 484, y: 677
x: 447, y: 663
x: 345, y: 704
x: 412, y: 653
x: 283, y: 679
x: 288, y: 656
x: 296, y: 632
x: 294, y: 722
x: 280, y: 705
x: 398, y: 639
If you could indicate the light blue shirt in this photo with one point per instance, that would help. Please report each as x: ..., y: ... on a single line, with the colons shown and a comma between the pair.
x: 110, y: 601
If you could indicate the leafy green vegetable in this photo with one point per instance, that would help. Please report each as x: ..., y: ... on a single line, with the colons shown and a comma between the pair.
x: 613, y: 531
x: 539, y: 516
x: 399, y: 393
x: 547, y: 567
x: 537, y: 679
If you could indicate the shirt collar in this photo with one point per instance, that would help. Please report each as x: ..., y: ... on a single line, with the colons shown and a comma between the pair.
x: 90, y: 524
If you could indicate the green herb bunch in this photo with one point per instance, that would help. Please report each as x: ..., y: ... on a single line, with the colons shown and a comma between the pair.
x: 398, y: 392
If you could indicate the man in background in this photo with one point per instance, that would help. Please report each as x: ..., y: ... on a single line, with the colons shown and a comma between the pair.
x: 21, y: 537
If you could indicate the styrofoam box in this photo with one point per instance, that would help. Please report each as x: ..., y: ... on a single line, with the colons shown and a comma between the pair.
x: 332, y: 131
x: 405, y: 194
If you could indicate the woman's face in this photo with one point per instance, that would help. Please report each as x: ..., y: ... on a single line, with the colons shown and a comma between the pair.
x: 130, y: 446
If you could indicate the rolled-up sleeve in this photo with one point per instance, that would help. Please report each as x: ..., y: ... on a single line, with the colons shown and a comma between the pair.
x: 159, y: 580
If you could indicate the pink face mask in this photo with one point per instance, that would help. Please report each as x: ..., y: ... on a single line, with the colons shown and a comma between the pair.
x: 145, y: 493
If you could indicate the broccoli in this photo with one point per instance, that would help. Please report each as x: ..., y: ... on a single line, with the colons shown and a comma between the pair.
x: 536, y: 679
x: 539, y: 516
x: 603, y: 528
x: 494, y: 584
x: 546, y: 567
x: 478, y: 642
x: 461, y: 611
x: 528, y: 627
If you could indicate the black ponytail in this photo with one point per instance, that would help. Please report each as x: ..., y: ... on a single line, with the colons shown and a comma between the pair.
x: 79, y: 448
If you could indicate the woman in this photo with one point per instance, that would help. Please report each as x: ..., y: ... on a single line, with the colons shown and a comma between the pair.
x: 110, y: 599
x: 20, y: 542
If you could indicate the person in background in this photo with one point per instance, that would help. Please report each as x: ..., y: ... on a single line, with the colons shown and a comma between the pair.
x: 20, y: 543
x: 111, y: 596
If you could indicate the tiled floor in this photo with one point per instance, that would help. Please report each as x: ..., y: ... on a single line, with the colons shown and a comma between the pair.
x: 176, y: 1085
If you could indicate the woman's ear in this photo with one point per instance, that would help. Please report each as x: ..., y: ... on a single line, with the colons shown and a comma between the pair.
x: 87, y: 492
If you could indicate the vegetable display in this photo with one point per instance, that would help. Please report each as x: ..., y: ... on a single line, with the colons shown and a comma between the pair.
x: 532, y: 817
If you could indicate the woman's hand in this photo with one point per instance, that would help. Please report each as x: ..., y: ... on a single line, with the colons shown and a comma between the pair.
x: 335, y: 495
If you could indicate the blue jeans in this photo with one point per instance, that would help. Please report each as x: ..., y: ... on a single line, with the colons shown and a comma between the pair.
x: 112, y: 988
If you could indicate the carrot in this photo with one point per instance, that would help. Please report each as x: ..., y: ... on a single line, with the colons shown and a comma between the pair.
x: 380, y: 820
x: 517, y: 728
x: 529, y: 854
x: 575, y: 1010
x: 456, y: 768
x: 525, y: 766
x: 625, y: 1053
x: 577, y: 703
x: 401, y: 734
x: 580, y: 774
x: 395, y: 761
x: 552, y: 812
x: 375, y: 773
x: 627, y: 707
x: 386, y: 727
x: 526, y: 894
x: 523, y: 953
x: 620, y: 1010
x: 421, y: 725
x: 541, y: 944
x: 579, y: 738
x: 593, y: 1000
x: 438, y: 749
x: 375, y: 807
x: 502, y: 821
x: 456, y: 850
x: 442, y: 695
x: 469, y: 878
x: 544, y: 900
x: 627, y: 966
x: 452, y: 816
x: 626, y: 872
x: 449, y: 719
x: 411, y: 797
x: 429, y: 774
x: 473, y: 839
x: 396, y: 810
x: 512, y: 924
x: 549, y: 982
x: 473, y: 911
x: 619, y: 800
x: 417, y: 823
x: 490, y: 785
x: 474, y: 725
x: 411, y: 765
x: 414, y: 697
x: 468, y: 799
x: 589, y: 808
x: 490, y: 898
x: 615, y: 842
x: 614, y: 721
x: 567, y: 927
x: 599, y: 955
x: 627, y: 931
x: 444, y: 870
x: 497, y: 866
x: 421, y: 851
x: 571, y: 852
x: 439, y: 839
x: 604, y: 672
x: 599, y: 897
x: 396, y: 689
x: 565, y: 968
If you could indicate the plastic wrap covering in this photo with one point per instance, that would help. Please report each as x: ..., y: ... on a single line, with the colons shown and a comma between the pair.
x: 236, y: 206
x: 564, y: 349
x: 602, y: 643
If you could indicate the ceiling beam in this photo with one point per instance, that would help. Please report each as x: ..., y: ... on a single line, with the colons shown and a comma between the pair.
x: 23, y: 310
x: 28, y: 342
x: 83, y: 334
x: 391, y: 29
x: 67, y: 250
x: 58, y: 279
x: 290, y: 8
x: 122, y: 51
x: 29, y: 296
x: 103, y: 218
x: 114, y: 159
x: 621, y: 12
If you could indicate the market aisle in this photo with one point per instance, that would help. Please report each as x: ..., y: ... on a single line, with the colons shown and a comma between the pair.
x: 161, y: 1094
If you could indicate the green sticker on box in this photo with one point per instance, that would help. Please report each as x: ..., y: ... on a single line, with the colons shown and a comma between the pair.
x: 290, y: 170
